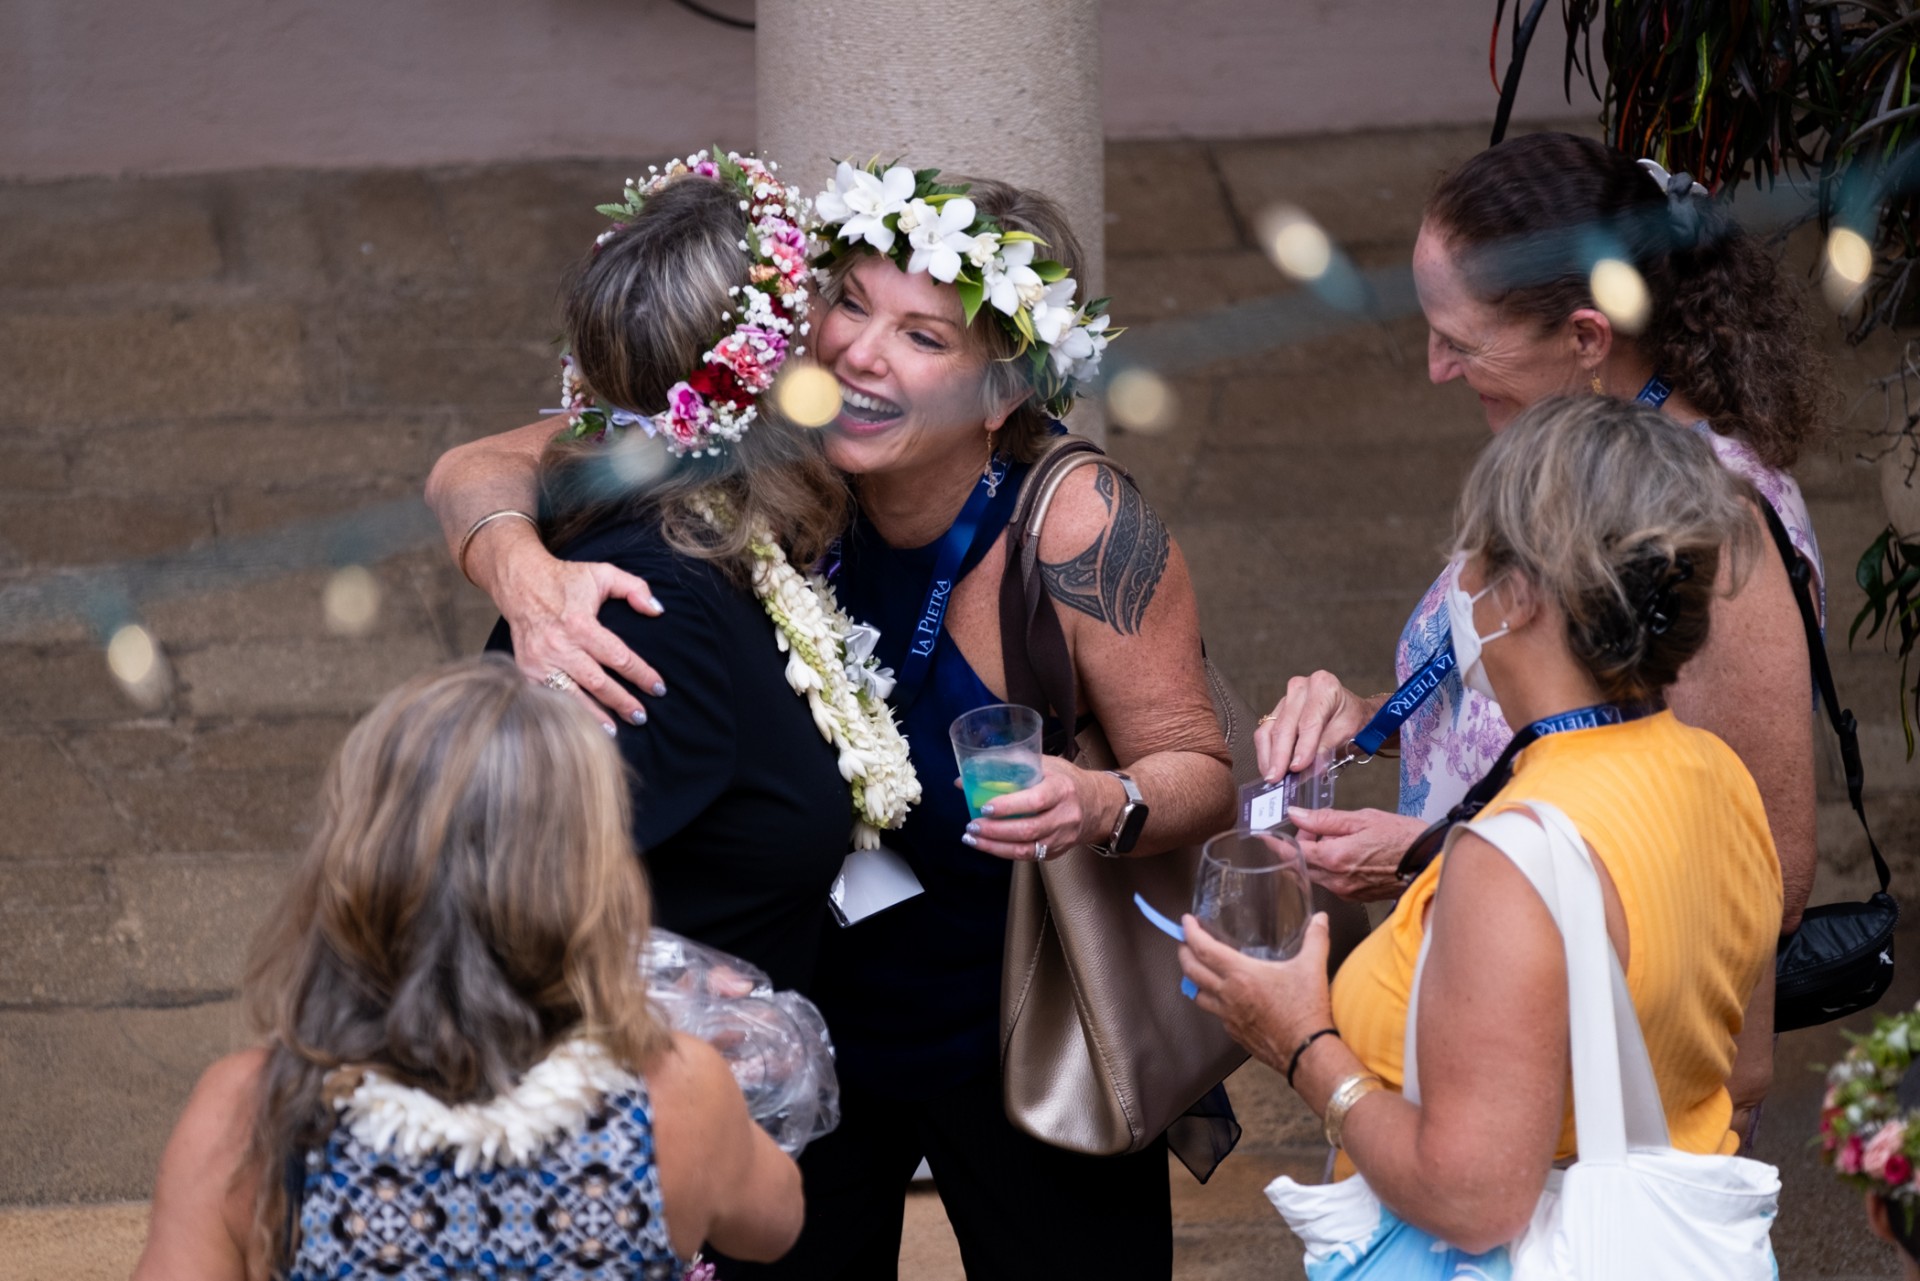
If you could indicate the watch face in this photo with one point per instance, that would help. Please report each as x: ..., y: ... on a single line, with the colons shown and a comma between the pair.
x: 1130, y: 829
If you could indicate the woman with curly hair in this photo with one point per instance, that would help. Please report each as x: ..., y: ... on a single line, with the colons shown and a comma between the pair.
x: 1503, y: 266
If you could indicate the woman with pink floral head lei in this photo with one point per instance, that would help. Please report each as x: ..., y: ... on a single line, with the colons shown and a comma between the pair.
x: 952, y: 319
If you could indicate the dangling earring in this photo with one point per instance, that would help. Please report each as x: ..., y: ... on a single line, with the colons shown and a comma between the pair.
x: 1599, y: 388
x: 988, y: 475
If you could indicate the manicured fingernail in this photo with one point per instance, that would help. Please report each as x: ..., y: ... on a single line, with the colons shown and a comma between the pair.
x: 659, y: 689
x: 639, y: 716
x: 612, y: 730
x: 658, y: 608
x: 974, y: 827
x: 986, y: 811
x: 967, y: 839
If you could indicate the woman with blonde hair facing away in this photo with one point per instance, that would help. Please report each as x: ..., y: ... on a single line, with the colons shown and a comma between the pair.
x: 461, y: 1070
x: 1592, y: 539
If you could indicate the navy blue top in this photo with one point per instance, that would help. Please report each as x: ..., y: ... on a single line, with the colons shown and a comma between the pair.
x: 739, y: 809
x: 913, y: 994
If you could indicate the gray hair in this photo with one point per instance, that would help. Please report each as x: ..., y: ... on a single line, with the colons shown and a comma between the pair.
x: 1620, y: 517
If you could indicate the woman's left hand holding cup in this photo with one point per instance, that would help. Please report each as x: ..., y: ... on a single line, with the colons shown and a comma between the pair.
x: 1267, y: 1006
x: 1056, y: 814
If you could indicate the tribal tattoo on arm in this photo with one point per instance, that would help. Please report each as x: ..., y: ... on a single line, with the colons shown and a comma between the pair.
x: 1114, y: 579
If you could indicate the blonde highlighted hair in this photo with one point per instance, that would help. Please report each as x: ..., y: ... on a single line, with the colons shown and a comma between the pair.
x: 1620, y: 517
x: 471, y: 897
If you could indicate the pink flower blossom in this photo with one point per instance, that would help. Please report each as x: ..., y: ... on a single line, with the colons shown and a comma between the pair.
x: 1899, y: 1169
x: 1848, y: 1161
x: 687, y: 414
x: 753, y: 354
x: 707, y: 169
x: 1887, y: 1141
x: 786, y: 245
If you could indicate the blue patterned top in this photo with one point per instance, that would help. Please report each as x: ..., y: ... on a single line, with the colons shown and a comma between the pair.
x: 590, y: 1209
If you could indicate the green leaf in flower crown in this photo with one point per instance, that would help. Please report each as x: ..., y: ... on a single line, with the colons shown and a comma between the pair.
x: 1050, y: 271
x: 938, y: 198
x: 611, y: 211
x: 1009, y: 237
x: 1023, y: 321
x: 972, y: 294
x: 924, y: 177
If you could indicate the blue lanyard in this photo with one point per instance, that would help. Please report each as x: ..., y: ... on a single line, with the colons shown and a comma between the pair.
x: 1427, y: 846
x: 1419, y: 687
x: 1403, y: 702
x: 954, y: 546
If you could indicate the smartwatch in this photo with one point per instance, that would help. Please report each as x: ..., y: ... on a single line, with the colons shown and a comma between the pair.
x: 1132, y: 820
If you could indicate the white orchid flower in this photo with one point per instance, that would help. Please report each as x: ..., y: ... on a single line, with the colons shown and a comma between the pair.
x: 1077, y: 354
x: 939, y: 237
x: 982, y: 250
x: 1053, y: 313
x: 861, y: 202
x: 1008, y: 273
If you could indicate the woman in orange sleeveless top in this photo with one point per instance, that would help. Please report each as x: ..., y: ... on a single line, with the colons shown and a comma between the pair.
x: 1593, y: 538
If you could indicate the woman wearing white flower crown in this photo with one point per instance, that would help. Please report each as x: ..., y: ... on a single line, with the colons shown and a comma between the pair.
x: 956, y: 345
x: 745, y: 799
x: 462, y: 1073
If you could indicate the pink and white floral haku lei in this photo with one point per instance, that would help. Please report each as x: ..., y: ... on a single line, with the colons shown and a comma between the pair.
x: 714, y: 406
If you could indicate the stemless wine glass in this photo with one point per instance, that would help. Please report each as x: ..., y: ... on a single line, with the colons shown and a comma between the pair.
x: 1252, y: 892
x: 998, y: 750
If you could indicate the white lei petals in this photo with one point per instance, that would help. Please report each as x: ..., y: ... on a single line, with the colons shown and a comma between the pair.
x: 848, y: 707
x: 556, y: 1098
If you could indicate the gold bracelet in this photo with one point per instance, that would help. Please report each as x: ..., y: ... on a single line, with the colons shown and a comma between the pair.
x: 460, y: 557
x: 1349, y: 1092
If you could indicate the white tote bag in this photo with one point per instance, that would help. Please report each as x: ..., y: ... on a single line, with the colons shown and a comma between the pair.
x: 1631, y: 1205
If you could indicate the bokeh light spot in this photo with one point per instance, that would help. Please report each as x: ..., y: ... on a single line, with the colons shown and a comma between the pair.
x: 132, y: 655
x: 1295, y: 242
x: 1849, y: 255
x: 637, y: 460
x: 807, y: 395
x: 139, y: 666
x: 1142, y: 401
x: 351, y: 601
x: 1620, y: 292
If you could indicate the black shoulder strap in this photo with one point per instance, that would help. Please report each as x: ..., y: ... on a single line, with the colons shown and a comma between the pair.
x: 1844, y: 726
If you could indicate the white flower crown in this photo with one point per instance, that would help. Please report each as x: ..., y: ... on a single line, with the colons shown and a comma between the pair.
x: 909, y: 216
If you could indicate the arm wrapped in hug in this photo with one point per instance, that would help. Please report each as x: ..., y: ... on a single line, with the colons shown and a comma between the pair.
x: 775, y: 1042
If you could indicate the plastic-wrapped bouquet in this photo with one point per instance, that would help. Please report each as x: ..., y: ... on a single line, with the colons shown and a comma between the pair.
x: 1869, y: 1130
x: 775, y: 1042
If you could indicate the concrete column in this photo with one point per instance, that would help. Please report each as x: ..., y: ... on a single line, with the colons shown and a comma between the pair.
x: 1006, y: 89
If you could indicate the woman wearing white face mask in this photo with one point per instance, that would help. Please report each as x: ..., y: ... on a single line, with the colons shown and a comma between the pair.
x: 1591, y: 542
x: 1503, y: 272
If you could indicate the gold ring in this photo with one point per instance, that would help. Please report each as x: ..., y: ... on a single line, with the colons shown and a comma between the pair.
x: 558, y: 680
x: 1267, y: 719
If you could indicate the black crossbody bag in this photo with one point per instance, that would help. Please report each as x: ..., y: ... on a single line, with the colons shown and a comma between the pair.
x: 1840, y: 960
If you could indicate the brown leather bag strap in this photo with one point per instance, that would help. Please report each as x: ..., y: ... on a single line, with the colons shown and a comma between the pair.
x: 1033, y: 646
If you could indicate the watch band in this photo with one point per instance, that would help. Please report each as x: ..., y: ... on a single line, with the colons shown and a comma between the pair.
x: 1111, y: 847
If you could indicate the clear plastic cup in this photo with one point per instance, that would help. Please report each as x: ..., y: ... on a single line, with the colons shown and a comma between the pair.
x: 998, y: 751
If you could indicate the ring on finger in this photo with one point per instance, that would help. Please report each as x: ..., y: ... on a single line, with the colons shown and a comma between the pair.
x: 558, y: 680
x: 1267, y: 719
x: 1039, y: 851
